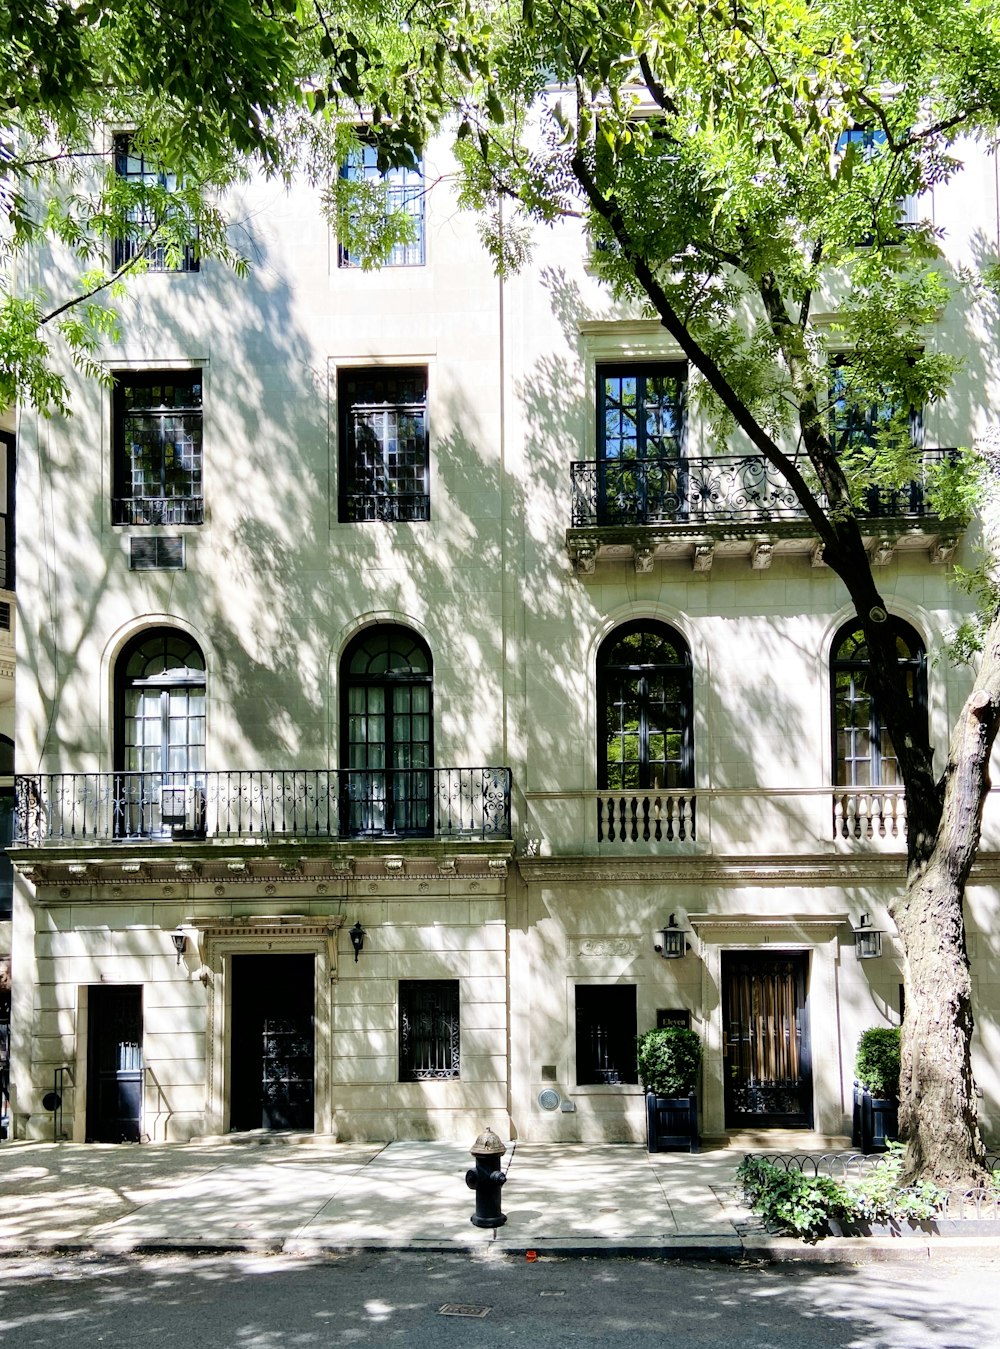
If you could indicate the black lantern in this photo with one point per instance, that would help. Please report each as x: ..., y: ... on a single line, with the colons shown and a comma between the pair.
x: 357, y: 936
x: 867, y: 940
x: 179, y: 940
x: 672, y: 941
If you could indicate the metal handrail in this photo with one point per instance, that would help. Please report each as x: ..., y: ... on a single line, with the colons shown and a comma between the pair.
x: 461, y: 803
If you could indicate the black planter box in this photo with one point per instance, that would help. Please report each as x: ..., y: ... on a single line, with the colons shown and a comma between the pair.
x: 671, y: 1123
x: 876, y: 1121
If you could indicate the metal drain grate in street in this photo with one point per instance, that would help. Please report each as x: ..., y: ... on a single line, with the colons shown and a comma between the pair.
x: 463, y: 1309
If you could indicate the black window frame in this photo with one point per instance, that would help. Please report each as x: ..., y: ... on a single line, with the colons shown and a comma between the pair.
x: 854, y: 667
x: 167, y: 508
x: 430, y: 1019
x: 123, y: 250
x: 606, y: 1026
x: 612, y: 676
x: 165, y: 801
x: 854, y: 428
x: 8, y: 553
x: 405, y: 189
x: 386, y: 798
x: 642, y: 474
x: 378, y: 480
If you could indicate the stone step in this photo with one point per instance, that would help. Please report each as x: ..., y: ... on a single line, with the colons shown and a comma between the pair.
x: 777, y: 1140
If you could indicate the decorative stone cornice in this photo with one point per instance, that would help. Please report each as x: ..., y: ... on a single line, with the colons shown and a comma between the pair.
x: 813, y: 870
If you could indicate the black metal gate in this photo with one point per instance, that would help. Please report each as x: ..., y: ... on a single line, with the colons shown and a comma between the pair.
x: 114, y: 1064
x: 272, y: 1042
x: 768, y: 1069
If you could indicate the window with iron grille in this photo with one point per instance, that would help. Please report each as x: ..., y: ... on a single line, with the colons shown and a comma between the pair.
x: 141, y: 173
x: 396, y: 190
x: 605, y: 1034
x: 428, y: 1029
x: 157, y: 448
x: 384, y: 456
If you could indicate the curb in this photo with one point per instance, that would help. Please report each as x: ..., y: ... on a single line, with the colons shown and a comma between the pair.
x: 729, y: 1250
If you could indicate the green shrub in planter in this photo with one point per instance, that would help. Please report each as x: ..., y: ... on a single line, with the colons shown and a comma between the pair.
x: 877, y: 1064
x: 668, y: 1061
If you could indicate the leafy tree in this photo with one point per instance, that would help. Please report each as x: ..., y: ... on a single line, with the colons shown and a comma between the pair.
x: 209, y: 92
x: 736, y: 165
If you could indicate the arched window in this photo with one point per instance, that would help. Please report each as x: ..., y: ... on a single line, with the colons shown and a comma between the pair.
x: 644, y: 700
x: 160, y: 739
x: 863, y: 755
x: 387, y: 733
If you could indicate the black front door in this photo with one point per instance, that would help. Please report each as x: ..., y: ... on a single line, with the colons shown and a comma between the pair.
x: 272, y: 1042
x: 114, y: 1064
x: 768, y: 1073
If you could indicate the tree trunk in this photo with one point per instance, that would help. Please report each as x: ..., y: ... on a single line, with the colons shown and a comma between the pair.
x: 938, y: 1116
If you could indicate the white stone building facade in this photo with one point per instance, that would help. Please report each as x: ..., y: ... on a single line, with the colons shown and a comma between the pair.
x: 336, y: 611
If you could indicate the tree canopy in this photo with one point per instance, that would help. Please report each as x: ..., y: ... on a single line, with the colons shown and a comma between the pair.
x: 741, y: 170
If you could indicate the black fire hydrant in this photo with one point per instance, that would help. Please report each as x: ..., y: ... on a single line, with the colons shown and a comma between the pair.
x: 486, y: 1178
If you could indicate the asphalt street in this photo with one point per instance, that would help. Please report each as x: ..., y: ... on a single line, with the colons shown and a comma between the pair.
x: 412, y: 1299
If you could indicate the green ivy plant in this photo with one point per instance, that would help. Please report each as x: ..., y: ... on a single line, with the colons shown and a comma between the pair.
x: 802, y: 1206
x: 791, y: 1202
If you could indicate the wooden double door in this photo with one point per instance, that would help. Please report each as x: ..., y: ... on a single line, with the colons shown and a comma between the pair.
x: 768, y: 1060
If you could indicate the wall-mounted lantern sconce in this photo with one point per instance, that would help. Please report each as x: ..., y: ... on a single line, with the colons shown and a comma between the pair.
x: 671, y: 941
x: 867, y: 940
x: 179, y: 939
x: 357, y: 936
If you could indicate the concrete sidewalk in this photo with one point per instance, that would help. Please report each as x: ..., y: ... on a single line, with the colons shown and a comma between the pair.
x: 307, y: 1195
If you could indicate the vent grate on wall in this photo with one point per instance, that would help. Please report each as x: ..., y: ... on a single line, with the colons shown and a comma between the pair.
x: 161, y: 553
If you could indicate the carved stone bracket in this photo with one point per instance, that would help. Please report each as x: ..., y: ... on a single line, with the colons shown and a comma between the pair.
x: 816, y: 557
x: 704, y: 555
x: 585, y: 561
x: 643, y: 560
x: 761, y: 555
x: 883, y: 551
x: 942, y: 550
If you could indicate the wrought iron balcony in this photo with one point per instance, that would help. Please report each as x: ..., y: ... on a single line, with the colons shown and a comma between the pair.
x: 75, y: 808
x: 713, y: 490
x: 177, y: 510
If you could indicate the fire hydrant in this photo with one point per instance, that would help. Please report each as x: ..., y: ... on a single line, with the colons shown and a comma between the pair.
x: 486, y: 1178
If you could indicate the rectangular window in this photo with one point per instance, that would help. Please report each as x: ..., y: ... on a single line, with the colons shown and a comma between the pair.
x: 140, y: 173
x: 868, y: 142
x: 428, y: 1029
x: 156, y: 431
x: 605, y: 1034
x: 384, y: 460
x: 859, y: 424
x: 395, y: 191
x: 640, y: 439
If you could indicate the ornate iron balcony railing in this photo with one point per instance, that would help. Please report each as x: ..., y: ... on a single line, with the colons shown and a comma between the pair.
x: 460, y: 803
x: 176, y: 510
x: 707, y: 490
